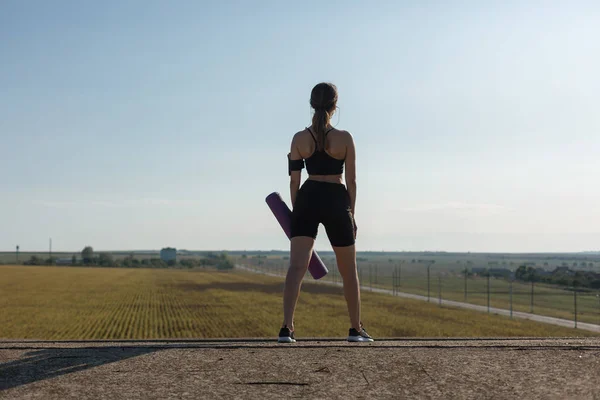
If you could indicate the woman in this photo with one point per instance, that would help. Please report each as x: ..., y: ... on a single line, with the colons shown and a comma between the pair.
x: 324, y: 199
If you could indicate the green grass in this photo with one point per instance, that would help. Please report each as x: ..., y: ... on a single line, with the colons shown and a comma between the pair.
x: 104, y: 303
x: 548, y: 300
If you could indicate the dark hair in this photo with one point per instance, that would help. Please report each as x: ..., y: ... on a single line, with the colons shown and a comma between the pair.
x: 323, y: 99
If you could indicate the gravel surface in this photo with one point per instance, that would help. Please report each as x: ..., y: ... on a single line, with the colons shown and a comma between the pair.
x: 312, y: 368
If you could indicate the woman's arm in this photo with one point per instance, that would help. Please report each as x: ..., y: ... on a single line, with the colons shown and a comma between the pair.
x: 351, y: 171
x: 295, y: 176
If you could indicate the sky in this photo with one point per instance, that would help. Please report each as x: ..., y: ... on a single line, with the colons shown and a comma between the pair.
x: 145, y: 124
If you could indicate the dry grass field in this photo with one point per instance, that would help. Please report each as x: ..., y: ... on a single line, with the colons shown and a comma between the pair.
x: 110, y: 303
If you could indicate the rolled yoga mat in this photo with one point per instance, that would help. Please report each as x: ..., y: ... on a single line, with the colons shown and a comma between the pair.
x: 283, y: 214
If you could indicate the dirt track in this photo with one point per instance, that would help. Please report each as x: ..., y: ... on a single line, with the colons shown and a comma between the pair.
x: 396, y: 368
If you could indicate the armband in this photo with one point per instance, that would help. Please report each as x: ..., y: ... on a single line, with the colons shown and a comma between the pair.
x: 294, y: 165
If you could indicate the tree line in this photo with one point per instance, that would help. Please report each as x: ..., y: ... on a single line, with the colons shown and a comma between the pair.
x: 563, y: 276
x: 103, y: 259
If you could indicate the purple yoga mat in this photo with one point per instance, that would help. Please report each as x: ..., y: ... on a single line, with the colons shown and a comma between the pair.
x: 283, y: 215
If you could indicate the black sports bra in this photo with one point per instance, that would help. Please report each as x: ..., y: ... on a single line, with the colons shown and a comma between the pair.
x: 321, y: 163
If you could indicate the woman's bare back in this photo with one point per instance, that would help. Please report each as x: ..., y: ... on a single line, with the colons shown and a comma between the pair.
x: 335, y: 145
x: 339, y: 145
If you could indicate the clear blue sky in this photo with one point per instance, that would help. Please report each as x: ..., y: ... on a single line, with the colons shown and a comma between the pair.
x: 143, y: 124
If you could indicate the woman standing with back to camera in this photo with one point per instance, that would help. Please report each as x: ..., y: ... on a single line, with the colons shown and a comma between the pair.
x: 323, y: 198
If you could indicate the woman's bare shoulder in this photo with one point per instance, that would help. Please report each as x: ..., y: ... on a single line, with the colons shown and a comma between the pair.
x: 346, y: 135
x: 300, y: 134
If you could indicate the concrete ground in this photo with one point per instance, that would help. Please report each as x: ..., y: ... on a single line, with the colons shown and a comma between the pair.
x: 566, y: 368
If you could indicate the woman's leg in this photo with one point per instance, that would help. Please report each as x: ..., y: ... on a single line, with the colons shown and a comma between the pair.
x: 346, y: 261
x: 301, y: 250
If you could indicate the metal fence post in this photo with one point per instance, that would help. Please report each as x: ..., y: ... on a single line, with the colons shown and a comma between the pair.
x: 428, y: 282
x: 440, y: 288
x: 360, y: 276
x: 370, y: 278
x: 488, y: 292
x: 465, y: 284
x: 575, y: 300
x: 531, y: 307
x: 399, y: 274
x: 511, y: 300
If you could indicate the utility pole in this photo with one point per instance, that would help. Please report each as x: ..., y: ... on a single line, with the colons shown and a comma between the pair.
x: 17, y: 254
x: 50, y: 250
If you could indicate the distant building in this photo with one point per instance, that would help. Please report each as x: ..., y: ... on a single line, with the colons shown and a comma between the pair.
x: 542, y: 272
x: 563, y: 270
x: 495, y: 272
x: 168, y: 254
x: 64, y: 261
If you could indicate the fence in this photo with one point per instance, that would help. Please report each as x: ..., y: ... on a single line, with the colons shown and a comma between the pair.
x: 439, y: 284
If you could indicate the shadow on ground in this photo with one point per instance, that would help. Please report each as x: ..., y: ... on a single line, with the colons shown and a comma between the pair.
x: 49, y: 363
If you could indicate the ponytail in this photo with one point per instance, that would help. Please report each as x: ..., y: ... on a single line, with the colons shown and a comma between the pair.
x: 319, y: 123
x: 323, y: 99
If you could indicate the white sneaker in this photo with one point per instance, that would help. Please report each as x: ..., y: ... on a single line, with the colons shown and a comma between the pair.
x: 359, y: 336
x: 286, y: 336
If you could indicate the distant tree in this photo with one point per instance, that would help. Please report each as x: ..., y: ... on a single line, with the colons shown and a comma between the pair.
x: 87, y: 254
x: 158, y: 263
x: 225, y: 264
x: 105, y: 259
x: 521, y: 273
x: 526, y: 273
x: 34, y: 260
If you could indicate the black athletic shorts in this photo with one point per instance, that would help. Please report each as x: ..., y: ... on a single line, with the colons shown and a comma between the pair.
x: 326, y: 203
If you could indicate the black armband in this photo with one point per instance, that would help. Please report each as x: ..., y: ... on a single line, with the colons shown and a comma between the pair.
x: 294, y: 165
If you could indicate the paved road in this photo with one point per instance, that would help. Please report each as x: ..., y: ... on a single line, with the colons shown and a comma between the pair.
x: 517, y: 314
x: 321, y: 368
